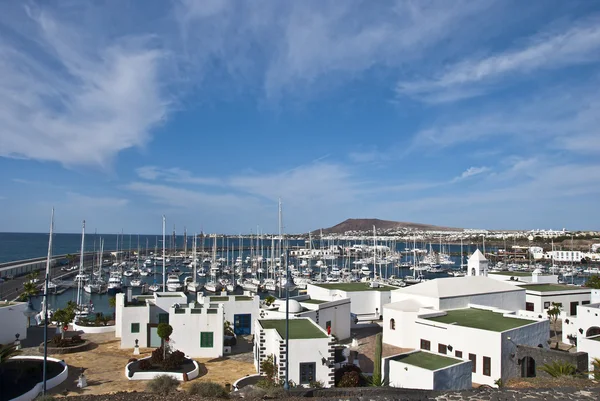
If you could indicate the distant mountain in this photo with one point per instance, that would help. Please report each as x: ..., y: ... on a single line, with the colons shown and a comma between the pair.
x: 367, y: 225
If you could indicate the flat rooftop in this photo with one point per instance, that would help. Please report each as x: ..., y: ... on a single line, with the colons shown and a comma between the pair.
x: 313, y: 301
x: 596, y: 338
x: 427, y: 360
x: 512, y: 274
x: 355, y: 287
x: 552, y: 287
x: 480, y: 319
x: 299, y: 328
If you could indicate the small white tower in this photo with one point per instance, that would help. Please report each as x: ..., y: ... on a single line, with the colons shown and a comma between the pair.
x: 477, y: 265
x: 535, y: 276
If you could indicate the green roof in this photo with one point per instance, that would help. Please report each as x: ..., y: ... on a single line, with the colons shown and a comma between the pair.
x: 516, y: 274
x: 313, y: 301
x: 427, y: 360
x: 551, y: 287
x: 595, y: 338
x: 354, y: 287
x: 217, y: 299
x: 299, y: 328
x: 243, y: 298
x: 480, y: 319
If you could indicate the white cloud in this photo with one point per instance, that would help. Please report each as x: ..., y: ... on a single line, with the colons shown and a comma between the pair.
x: 578, y: 45
x: 471, y: 171
x: 67, y: 96
x: 173, y: 174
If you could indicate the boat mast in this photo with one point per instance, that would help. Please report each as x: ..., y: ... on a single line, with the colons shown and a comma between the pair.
x: 79, y: 281
x: 193, y: 255
x: 164, y: 272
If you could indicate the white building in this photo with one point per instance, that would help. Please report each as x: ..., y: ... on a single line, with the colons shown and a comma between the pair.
x: 13, y: 321
x: 311, y: 355
x: 477, y: 265
x: 539, y: 297
x: 473, y: 318
x: 197, y: 329
x: 240, y: 310
x: 584, y: 330
x: 332, y: 316
x: 521, y: 277
x: 427, y: 371
x: 367, y: 299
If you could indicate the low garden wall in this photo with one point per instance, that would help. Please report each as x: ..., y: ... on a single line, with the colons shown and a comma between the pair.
x: 151, y: 375
x: 86, y: 345
x: 55, y: 381
x: 94, y: 329
x: 246, y: 381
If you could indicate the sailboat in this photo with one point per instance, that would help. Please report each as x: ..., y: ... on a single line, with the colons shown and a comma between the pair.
x: 213, y: 285
x: 194, y: 286
x: 82, y: 310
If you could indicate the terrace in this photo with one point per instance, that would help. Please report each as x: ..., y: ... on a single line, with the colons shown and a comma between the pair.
x: 299, y: 328
x: 480, y: 319
x: 426, y: 360
x: 515, y: 274
x: 313, y: 301
x: 551, y: 287
x: 355, y: 287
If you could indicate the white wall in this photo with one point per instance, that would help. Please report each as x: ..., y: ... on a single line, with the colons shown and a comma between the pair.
x: 592, y: 347
x: 587, y: 316
x: 188, y: 326
x: 595, y: 296
x: 532, y: 335
x: 300, y: 351
x: 362, y: 302
x: 540, y: 298
x: 408, y: 376
x: 13, y: 322
x: 133, y: 314
x: 512, y: 301
x: 233, y: 307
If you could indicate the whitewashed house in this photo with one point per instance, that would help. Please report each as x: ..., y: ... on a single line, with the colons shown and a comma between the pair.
x: 583, y: 330
x: 333, y: 316
x: 240, y: 310
x: 522, y: 277
x: 539, y: 297
x: 472, y: 318
x: 311, y: 353
x: 367, y: 299
x: 197, y: 329
x: 427, y: 371
x: 13, y: 321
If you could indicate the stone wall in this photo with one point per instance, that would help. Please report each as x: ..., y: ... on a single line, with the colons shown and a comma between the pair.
x: 543, y: 356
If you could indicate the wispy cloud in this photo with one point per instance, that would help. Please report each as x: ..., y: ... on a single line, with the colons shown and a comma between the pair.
x: 579, y: 44
x: 173, y: 174
x: 69, y: 95
x: 472, y: 171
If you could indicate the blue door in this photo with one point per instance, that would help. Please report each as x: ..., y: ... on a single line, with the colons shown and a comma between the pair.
x: 241, y: 324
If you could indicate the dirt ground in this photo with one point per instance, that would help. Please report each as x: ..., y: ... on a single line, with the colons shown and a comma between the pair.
x: 104, y: 367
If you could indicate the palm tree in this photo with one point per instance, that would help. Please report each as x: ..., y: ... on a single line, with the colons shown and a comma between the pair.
x: 33, y: 276
x: 7, y: 351
x: 70, y: 258
x: 29, y: 290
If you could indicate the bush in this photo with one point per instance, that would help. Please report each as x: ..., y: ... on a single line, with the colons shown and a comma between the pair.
x: 145, y: 364
x: 208, y: 390
x: 339, y: 373
x: 316, y: 384
x: 157, y: 356
x: 76, y: 339
x: 173, y: 360
x: 559, y: 368
x: 46, y: 397
x: 349, y: 379
x: 56, y: 341
x: 163, y: 385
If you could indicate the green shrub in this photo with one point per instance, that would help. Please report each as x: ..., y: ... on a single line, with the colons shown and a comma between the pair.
x: 316, y: 384
x: 349, y: 379
x: 163, y: 385
x: 208, y: 390
x: 339, y: 374
x: 173, y: 360
x: 559, y: 368
x: 145, y: 364
x: 157, y: 356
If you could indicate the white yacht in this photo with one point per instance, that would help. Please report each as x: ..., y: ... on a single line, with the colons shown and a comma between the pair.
x: 212, y: 286
x: 173, y: 283
x: 114, y: 282
x: 136, y: 282
x: 154, y: 287
x: 365, y: 270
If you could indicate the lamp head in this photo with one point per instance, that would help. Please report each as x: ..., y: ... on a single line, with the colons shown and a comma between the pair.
x: 29, y: 310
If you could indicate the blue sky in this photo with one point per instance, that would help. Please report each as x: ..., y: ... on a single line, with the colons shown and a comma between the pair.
x: 480, y: 114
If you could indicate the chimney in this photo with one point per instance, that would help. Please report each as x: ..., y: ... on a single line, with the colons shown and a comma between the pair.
x: 129, y: 293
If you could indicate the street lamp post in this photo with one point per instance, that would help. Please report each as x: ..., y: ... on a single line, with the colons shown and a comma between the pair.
x: 289, y: 286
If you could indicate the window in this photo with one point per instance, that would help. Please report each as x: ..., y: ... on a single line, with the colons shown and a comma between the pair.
x: 392, y: 324
x: 206, y: 339
x: 458, y: 354
x: 529, y: 306
x: 487, y: 366
x: 473, y: 359
x: 307, y: 372
x: 328, y: 324
x: 426, y: 345
x: 135, y: 327
x: 585, y: 302
x: 546, y: 305
x: 442, y: 349
x: 163, y: 318
x: 574, y: 308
